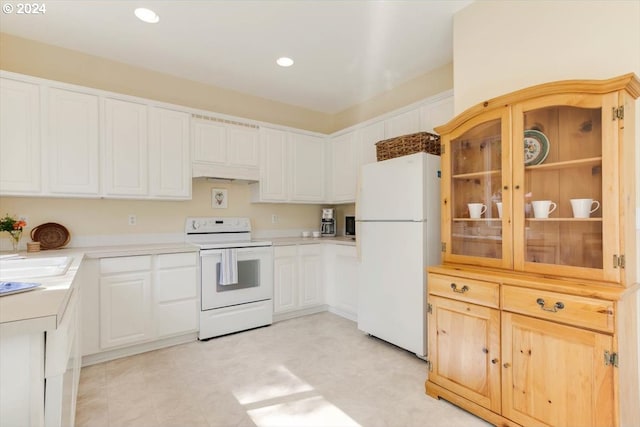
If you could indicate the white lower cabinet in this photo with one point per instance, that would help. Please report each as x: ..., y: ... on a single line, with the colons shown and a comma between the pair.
x: 298, y: 279
x: 342, y: 280
x: 125, y: 300
x: 40, y: 370
x: 146, y: 298
x: 175, y: 296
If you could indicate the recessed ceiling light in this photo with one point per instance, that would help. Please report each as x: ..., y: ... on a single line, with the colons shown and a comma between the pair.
x: 284, y: 62
x: 146, y: 15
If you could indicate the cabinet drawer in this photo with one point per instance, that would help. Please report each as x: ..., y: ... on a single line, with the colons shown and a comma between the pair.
x: 125, y: 264
x: 186, y: 259
x: 578, y: 311
x: 475, y: 291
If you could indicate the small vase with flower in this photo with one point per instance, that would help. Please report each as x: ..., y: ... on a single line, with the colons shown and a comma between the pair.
x: 14, y: 227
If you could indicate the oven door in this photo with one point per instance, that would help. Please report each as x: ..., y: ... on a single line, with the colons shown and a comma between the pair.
x: 255, y: 277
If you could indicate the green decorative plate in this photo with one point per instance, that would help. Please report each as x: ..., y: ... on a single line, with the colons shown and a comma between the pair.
x: 536, y: 147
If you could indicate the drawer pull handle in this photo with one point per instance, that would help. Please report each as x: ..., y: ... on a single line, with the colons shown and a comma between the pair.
x: 557, y: 306
x: 464, y: 289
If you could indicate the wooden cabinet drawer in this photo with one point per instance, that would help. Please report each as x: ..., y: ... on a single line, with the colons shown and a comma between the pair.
x: 571, y: 309
x: 475, y: 291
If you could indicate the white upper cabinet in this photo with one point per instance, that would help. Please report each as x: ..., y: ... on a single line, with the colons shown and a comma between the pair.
x: 307, y: 168
x: 71, y: 143
x: 343, y: 166
x: 402, y: 124
x: 125, y: 148
x: 367, y: 138
x: 243, y: 146
x: 19, y: 137
x: 209, y: 142
x: 225, y: 150
x: 274, y: 180
x: 169, y: 154
x: 436, y: 114
x: 292, y: 168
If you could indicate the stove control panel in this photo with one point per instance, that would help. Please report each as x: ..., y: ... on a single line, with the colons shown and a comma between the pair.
x: 201, y: 225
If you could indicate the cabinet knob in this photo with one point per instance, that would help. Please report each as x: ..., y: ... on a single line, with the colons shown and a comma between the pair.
x: 494, y: 361
x: 506, y: 365
x: 506, y: 187
x: 464, y: 289
x: 485, y: 351
x: 557, y: 306
x: 517, y: 187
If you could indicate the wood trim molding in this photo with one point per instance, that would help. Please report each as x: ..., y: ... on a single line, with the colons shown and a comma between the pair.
x: 628, y: 82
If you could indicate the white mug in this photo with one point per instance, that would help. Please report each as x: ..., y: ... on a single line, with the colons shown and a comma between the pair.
x: 499, y: 206
x: 542, y: 208
x: 582, y: 208
x: 476, y: 210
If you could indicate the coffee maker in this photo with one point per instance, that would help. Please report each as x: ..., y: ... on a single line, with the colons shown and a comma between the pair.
x: 328, y: 223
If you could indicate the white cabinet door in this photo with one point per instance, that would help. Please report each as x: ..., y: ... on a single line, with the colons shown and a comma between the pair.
x: 285, y: 290
x: 169, y: 154
x: 274, y: 169
x: 71, y: 139
x: 307, y: 168
x: 125, y: 148
x: 436, y: 114
x: 125, y: 304
x: 19, y: 137
x: 225, y: 150
x: 209, y: 141
x: 242, y: 145
x: 311, y: 287
x: 343, y: 282
x: 402, y: 124
x: 367, y: 138
x: 344, y: 168
x: 175, y: 294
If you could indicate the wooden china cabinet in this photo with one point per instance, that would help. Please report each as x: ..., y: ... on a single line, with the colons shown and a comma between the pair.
x: 533, y: 315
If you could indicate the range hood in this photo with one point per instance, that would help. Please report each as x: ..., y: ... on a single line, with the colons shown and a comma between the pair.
x: 225, y: 173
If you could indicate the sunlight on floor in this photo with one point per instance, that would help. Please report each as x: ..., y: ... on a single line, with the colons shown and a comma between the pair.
x: 279, y: 383
x: 313, y: 411
x: 283, y: 399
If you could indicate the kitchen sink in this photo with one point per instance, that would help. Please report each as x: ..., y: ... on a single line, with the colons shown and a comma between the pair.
x: 23, y: 268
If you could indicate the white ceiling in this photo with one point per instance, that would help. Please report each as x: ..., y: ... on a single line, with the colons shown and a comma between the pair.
x: 345, y: 51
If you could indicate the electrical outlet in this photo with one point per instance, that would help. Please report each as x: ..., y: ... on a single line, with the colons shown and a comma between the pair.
x: 133, y: 219
x: 274, y: 219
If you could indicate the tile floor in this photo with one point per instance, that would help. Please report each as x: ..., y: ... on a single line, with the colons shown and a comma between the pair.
x: 315, y: 370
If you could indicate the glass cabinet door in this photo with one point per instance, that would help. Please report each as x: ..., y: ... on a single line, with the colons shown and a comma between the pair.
x: 475, y: 155
x: 560, y: 147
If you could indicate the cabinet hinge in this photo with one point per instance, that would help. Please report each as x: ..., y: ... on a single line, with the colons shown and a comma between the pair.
x: 617, y: 113
x: 443, y: 246
x: 618, y: 261
x: 441, y: 148
x: 429, y: 308
x: 611, y: 359
x: 429, y: 365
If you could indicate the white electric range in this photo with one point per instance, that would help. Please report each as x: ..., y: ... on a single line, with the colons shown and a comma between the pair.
x: 236, y: 275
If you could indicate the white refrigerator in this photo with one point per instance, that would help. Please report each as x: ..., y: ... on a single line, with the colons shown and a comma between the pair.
x: 398, y: 236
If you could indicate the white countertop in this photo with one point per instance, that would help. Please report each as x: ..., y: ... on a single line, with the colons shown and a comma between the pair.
x: 41, y: 309
x: 338, y: 240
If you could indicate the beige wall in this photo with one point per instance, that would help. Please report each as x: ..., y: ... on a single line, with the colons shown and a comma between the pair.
x: 25, y: 56
x: 501, y: 46
x: 95, y: 217
x: 51, y: 62
x: 432, y: 83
